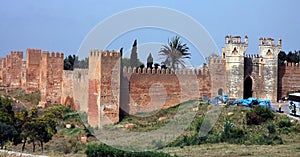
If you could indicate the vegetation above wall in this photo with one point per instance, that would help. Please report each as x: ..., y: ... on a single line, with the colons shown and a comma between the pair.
x: 72, y: 61
x: 289, y: 57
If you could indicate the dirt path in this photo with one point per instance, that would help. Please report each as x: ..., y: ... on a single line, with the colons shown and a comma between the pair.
x: 11, y: 153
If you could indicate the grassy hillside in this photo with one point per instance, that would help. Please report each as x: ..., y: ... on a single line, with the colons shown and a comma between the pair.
x: 261, y: 134
x: 275, y: 135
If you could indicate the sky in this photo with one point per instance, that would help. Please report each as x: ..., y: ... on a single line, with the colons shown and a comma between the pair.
x: 62, y: 26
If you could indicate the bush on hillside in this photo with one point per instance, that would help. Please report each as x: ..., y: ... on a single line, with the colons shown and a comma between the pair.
x: 284, y: 122
x: 258, y: 115
x: 232, y: 134
x: 103, y: 150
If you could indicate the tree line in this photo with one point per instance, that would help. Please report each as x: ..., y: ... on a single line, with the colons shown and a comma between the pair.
x: 174, y: 54
x: 293, y: 57
x: 72, y: 61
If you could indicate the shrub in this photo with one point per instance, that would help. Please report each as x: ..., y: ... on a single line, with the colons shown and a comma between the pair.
x: 253, y: 118
x: 266, y: 140
x: 212, y: 138
x: 103, y: 150
x: 228, y: 127
x: 258, y: 115
x: 285, y: 122
x: 231, y: 134
x: 271, y: 128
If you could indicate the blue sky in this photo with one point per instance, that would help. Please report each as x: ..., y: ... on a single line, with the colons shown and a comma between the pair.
x: 58, y: 25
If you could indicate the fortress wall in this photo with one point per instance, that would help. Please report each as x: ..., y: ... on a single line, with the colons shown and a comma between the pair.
x: 33, y: 61
x: 148, y: 90
x: 288, y: 79
x: 104, y: 87
x: 80, y: 89
x: 217, y: 71
x: 1, y: 69
x: 67, y: 97
x: 254, y: 70
x: 23, y: 80
x: 51, y: 72
x: 14, y: 69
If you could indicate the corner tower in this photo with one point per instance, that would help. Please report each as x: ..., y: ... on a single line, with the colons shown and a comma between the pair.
x: 234, y: 52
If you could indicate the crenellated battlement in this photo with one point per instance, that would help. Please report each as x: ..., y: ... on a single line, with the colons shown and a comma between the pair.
x: 252, y: 56
x: 197, y: 72
x: 291, y: 64
x: 33, y: 51
x: 47, y: 54
x: 235, y: 40
x: 17, y: 53
x: 104, y: 53
x: 216, y: 60
x: 269, y: 42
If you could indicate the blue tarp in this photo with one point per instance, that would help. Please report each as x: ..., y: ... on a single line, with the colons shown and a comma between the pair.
x: 254, y: 101
x: 225, y: 98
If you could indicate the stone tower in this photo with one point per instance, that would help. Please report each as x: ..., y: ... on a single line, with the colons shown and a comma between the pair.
x: 104, y: 87
x: 268, y: 51
x: 234, y: 52
x: 13, y: 72
x: 51, y: 72
x: 33, y: 61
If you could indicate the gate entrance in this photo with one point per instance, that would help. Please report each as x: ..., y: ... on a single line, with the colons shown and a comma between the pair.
x: 248, y: 87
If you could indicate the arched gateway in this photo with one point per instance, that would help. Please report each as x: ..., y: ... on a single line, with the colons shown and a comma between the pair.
x: 248, y: 83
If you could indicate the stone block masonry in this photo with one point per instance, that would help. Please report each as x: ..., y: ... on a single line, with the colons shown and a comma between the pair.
x: 51, y: 72
x: 106, y: 89
x: 288, y: 78
x: 145, y: 90
x: 12, y: 69
x: 33, y: 61
x: 40, y: 71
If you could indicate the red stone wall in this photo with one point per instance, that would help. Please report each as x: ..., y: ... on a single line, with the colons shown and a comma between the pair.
x: 67, y: 88
x: 146, y: 90
x: 2, y: 66
x: 33, y: 60
x: 80, y: 89
x: 93, y: 107
x: 104, y: 87
x: 217, y: 70
x: 288, y: 78
x: 51, y: 72
x: 110, y: 87
x: 75, y: 89
x: 14, y: 69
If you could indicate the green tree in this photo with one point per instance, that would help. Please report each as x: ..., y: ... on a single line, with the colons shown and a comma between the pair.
x: 133, y: 55
x: 28, y: 132
x: 7, y: 133
x: 72, y: 61
x: 175, y: 52
x: 44, y: 129
x: 69, y: 62
x: 40, y: 126
x: 293, y: 57
x: 6, y: 112
x: 281, y: 57
x: 81, y: 64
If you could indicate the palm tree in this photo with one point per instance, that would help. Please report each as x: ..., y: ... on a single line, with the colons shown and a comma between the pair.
x: 175, y: 52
